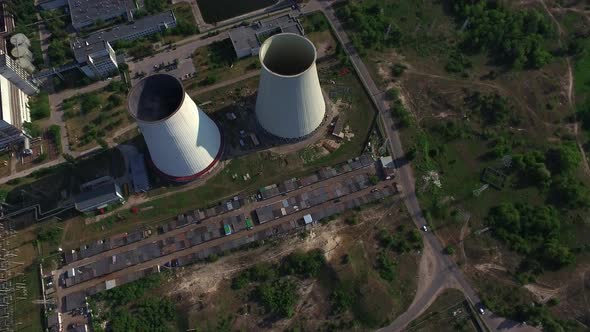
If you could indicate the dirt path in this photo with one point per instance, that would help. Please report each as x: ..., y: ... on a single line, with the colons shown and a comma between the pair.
x: 464, y: 230
x: 569, y: 87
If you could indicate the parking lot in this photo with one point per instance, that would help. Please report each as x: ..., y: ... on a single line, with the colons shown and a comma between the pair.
x: 173, y: 60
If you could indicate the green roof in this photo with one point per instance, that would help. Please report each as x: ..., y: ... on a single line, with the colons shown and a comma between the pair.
x: 227, y: 229
x: 249, y: 223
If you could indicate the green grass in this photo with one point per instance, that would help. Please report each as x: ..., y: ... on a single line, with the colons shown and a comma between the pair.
x: 28, y: 314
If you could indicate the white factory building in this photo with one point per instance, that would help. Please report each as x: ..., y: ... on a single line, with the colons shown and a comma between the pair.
x: 290, y: 103
x: 183, y: 142
x: 95, y: 55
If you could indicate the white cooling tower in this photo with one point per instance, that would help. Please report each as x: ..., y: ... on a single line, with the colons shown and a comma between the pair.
x: 290, y: 103
x: 183, y: 142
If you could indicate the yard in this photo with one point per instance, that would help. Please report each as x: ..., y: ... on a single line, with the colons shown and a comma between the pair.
x: 92, y: 117
x: 217, y: 62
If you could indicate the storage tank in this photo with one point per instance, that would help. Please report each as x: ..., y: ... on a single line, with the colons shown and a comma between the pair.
x: 20, y: 39
x: 183, y: 142
x: 290, y: 103
x: 21, y: 52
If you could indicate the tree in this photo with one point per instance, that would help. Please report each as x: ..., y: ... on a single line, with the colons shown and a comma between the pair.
x: 115, y: 100
x: 89, y: 102
x: 564, y: 158
x: 303, y: 264
x: 278, y: 297
x: 567, y: 192
x: 39, y: 106
x: 555, y: 255
x: 32, y: 129
x: 154, y: 6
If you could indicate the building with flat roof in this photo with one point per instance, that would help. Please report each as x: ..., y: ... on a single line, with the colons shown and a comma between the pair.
x: 86, y: 13
x: 99, y: 197
x: 16, y: 74
x: 14, y: 112
x: 246, y: 40
x: 95, y: 55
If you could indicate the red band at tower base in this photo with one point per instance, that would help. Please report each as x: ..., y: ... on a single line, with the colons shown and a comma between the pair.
x: 184, y: 179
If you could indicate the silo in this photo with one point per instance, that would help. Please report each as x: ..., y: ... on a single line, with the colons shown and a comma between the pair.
x: 290, y: 103
x: 183, y: 142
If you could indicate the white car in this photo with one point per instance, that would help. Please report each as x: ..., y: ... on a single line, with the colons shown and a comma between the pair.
x: 424, y: 228
x: 481, y: 311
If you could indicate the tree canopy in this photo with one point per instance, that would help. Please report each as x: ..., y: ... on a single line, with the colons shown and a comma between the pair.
x: 532, y: 231
x: 514, y: 38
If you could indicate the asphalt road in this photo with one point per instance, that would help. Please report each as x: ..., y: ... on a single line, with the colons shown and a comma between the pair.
x: 247, y: 209
x: 446, y: 270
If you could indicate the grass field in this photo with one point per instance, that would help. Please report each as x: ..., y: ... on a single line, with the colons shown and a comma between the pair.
x: 450, y: 144
x: 93, y: 116
x: 28, y: 314
x: 220, y: 10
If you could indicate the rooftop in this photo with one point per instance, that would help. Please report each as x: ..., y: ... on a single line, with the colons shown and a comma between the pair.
x: 86, y: 12
x: 104, y: 194
x: 252, y: 36
x: 84, y: 46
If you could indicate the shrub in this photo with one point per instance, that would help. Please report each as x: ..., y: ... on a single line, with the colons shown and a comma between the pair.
x: 278, y: 297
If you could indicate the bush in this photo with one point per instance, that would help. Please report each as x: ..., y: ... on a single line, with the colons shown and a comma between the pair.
x: 32, y: 129
x: 386, y: 267
x: 278, y: 297
x: 39, y: 106
x: 398, y: 69
x: 303, y: 264
x: 393, y: 94
x: 342, y: 298
x: 40, y: 158
x: 55, y: 132
x: 564, y: 158
x: 49, y: 234
x: 89, y: 102
x: 449, y: 250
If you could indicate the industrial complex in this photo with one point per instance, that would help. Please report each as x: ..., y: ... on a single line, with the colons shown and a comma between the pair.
x: 157, y: 154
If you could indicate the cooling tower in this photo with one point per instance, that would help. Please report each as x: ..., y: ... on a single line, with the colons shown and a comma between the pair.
x: 183, y: 142
x: 290, y: 103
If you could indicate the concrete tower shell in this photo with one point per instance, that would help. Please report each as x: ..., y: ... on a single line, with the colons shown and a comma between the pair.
x: 183, y: 142
x: 290, y: 103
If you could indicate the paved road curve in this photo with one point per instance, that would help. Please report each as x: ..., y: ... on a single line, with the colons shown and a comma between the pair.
x: 446, y: 271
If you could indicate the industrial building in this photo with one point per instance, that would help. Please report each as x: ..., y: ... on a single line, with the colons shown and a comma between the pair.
x: 95, y: 55
x: 183, y: 142
x: 14, y: 112
x: 99, y: 197
x: 12, y: 71
x: 290, y: 103
x: 85, y: 13
x: 246, y: 40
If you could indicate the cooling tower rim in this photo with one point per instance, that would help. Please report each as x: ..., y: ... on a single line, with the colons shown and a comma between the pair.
x: 265, y: 45
x: 133, y: 110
